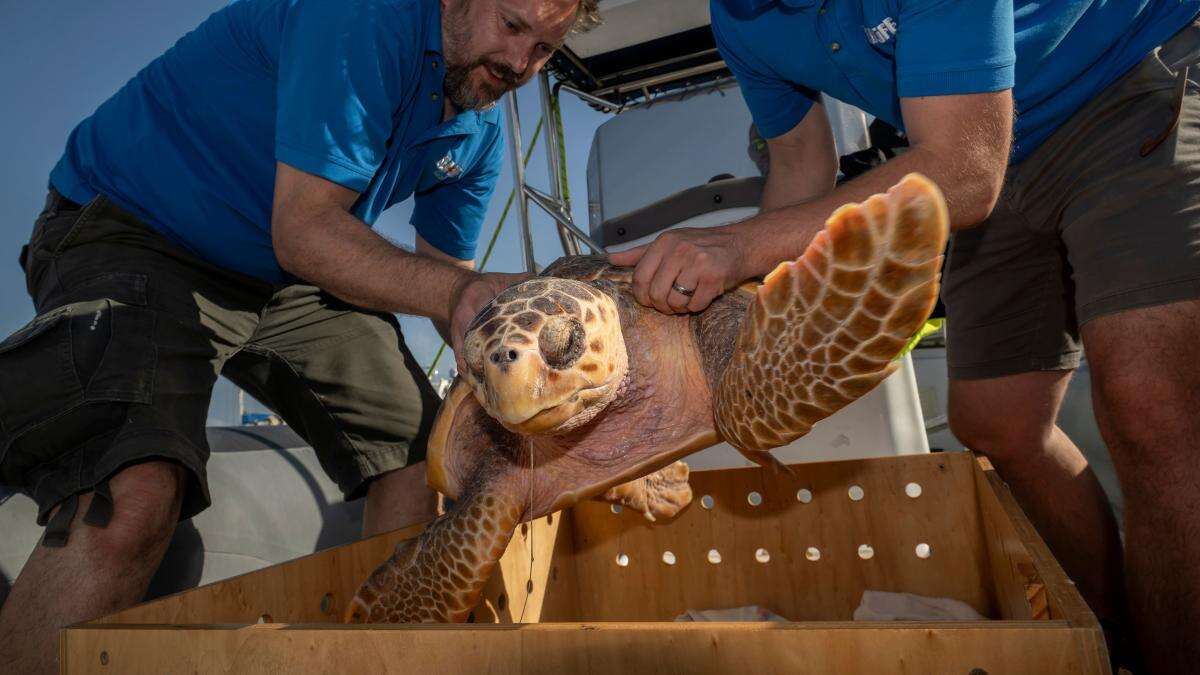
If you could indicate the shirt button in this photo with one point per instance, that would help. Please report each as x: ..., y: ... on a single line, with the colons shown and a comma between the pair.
x: 835, y: 47
x: 433, y: 96
x: 433, y: 64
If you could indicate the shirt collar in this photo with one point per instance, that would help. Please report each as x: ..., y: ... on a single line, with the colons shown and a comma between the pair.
x: 433, y: 40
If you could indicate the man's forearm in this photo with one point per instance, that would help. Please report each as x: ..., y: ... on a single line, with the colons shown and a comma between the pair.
x: 788, y: 185
x: 790, y: 229
x: 349, y: 260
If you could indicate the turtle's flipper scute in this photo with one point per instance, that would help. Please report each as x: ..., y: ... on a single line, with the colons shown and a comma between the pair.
x: 824, y: 329
x: 661, y: 494
x: 437, y: 577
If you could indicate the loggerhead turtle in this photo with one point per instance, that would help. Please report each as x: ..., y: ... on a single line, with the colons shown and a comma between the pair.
x: 574, y: 388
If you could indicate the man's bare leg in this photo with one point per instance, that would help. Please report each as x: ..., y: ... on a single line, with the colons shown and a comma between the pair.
x: 1011, y: 420
x: 1146, y: 389
x: 99, y: 571
x: 398, y: 499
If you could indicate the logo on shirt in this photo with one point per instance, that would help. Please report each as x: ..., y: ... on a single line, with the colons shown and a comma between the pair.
x: 881, y: 33
x: 446, y: 168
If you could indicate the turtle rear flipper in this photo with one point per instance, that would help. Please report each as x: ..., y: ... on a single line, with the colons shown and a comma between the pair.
x: 825, y: 329
x: 661, y: 494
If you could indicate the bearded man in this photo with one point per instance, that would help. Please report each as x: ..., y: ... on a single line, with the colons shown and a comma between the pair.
x: 214, y: 217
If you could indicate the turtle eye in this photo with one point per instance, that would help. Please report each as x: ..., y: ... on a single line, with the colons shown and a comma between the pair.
x: 561, y: 341
x: 473, y: 353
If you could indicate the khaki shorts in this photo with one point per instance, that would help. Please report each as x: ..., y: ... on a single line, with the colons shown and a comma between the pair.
x: 1088, y: 225
x: 131, y: 333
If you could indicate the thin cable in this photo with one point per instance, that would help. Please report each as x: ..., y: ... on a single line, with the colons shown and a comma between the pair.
x: 529, y: 578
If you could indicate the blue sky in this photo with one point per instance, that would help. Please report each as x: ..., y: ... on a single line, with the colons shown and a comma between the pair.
x: 63, y: 58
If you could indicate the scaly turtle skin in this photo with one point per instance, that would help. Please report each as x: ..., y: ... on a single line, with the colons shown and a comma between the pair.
x: 575, y: 391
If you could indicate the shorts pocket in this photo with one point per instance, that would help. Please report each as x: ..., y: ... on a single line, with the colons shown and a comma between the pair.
x: 37, y: 373
x: 98, y: 351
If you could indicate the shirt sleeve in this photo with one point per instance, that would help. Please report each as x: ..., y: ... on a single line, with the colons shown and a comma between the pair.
x: 776, y: 104
x: 954, y: 47
x: 339, y: 85
x: 451, y: 215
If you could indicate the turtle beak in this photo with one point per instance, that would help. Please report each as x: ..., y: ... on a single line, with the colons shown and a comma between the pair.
x: 524, y: 394
x: 550, y: 419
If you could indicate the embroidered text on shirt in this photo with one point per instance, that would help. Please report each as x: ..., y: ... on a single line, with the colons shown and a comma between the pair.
x: 881, y: 33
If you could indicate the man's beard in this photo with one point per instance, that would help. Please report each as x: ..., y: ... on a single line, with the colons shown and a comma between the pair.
x: 465, y: 96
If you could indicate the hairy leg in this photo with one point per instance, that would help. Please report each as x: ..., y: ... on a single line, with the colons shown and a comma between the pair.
x: 398, y: 499
x: 1011, y: 420
x: 99, y: 571
x: 1146, y: 389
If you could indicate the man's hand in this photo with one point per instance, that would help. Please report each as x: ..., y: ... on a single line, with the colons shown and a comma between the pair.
x: 706, y: 262
x: 469, y: 299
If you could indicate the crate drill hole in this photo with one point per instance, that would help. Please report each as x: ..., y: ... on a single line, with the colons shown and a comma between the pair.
x: 923, y: 550
x: 615, y: 508
x: 706, y: 501
x: 501, y: 602
x: 804, y: 495
x: 856, y: 493
x: 866, y: 552
x: 327, y: 603
x: 813, y: 553
x: 762, y: 556
x: 622, y: 560
x: 754, y: 499
x: 714, y: 556
x: 264, y: 618
x: 913, y: 490
x: 668, y: 558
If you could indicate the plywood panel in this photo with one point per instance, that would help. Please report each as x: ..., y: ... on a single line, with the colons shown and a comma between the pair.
x: 945, y: 516
x: 564, y: 568
x: 1024, y: 570
x: 535, y: 574
x: 599, y: 649
x: 290, y: 592
x: 317, y: 587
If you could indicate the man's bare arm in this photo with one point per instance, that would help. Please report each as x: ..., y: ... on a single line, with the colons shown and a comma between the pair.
x: 317, y: 239
x: 803, y: 162
x: 428, y: 250
x: 960, y: 142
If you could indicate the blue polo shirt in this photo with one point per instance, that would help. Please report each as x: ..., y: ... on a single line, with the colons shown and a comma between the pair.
x: 1055, y: 56
x: 349, y: 90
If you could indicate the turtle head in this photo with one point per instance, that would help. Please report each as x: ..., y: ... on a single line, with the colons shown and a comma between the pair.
x: 546, y: 356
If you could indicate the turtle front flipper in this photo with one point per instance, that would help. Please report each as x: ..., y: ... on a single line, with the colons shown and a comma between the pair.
x: 661, y: 494
x: 438, y: 576
x: 825, y: 329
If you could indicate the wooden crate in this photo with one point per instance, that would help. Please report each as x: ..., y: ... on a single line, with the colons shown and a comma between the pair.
x: 562, y: 603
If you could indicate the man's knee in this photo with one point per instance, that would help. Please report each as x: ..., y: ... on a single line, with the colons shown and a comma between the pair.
x: 994, y: 435
x: 146, y: 500
x: 1145, y: 386
x: 1007, y: 417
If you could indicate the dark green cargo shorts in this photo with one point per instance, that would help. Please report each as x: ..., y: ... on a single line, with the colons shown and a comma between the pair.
x: 1102, y: 218
x: 131, y: 334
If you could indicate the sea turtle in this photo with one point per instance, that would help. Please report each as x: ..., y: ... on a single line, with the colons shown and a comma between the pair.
x: 574, y: 390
